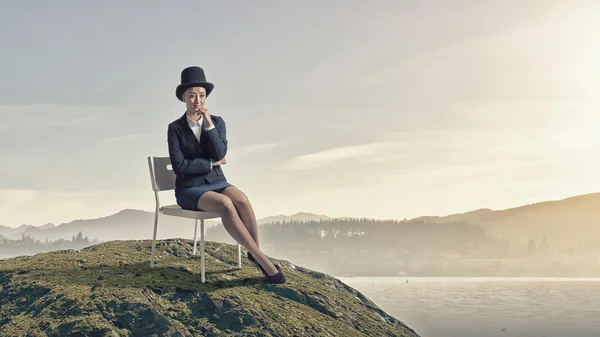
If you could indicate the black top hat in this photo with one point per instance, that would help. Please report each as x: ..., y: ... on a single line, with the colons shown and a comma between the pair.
x: 193, y: 77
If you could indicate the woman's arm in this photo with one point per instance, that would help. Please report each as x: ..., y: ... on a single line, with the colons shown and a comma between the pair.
x: 180, y: 164
x: 217, y: 140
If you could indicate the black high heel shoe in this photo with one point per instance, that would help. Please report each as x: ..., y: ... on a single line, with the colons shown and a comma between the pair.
x: 278, y: 278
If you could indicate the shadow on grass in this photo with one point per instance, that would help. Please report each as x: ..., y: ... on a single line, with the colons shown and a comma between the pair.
x: 160, y: 279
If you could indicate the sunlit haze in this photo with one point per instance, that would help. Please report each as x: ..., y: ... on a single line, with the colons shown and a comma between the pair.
x: 392, y: 109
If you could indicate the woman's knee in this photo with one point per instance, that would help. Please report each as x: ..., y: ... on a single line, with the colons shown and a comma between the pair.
x: 241, y: 200
x: 238, y: 197
x: 217, y: 203
x: 225, y: 206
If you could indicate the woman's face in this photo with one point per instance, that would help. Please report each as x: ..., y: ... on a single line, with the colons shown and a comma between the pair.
x: 194, y: 98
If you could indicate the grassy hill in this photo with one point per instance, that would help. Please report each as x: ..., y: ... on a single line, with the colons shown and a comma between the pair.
x: 110, y: 290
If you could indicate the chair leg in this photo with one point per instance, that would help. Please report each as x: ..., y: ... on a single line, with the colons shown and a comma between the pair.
x: 202, y: 250
x: 195, y: 237
x: 239, y: 256
x: 154, y: 238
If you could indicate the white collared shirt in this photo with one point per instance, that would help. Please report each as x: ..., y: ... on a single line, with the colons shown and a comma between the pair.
x: 197, y: 126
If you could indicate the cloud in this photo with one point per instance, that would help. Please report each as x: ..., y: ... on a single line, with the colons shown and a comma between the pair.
x: 256, y: 148
x: 548, y: 65
x: 480, y: 138
x: 328, y: 157
x: 11, y: 199
x: 47, y: 116
x: 21, y: 206
x: 117, y: 140
x: 469, y: 169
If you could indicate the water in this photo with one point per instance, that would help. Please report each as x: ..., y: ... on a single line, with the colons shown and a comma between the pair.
x: 483, y: 307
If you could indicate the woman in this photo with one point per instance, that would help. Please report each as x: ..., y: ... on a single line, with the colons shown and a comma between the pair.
x: 197, y: 148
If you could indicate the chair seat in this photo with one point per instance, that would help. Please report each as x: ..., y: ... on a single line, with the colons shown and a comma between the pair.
x: 175, y: 210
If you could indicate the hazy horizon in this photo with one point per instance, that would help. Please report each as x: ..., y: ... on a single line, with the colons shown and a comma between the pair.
x: 391, y: 110
x: 298, y: 212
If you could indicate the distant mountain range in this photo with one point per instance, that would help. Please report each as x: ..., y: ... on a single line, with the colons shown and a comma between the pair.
x: 7, y: 231
x: 129, y: 224
x: 300, y: 216
x: 569, y: 220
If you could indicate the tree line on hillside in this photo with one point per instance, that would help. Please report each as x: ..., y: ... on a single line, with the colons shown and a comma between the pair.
x: 363, y: 234
x: 31, y: 246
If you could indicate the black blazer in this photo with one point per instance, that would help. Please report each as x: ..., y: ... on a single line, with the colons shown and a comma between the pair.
x: 191, y: 159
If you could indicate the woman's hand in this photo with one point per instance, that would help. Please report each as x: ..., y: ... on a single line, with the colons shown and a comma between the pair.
x: 206, y: 115
x: 220, y: 162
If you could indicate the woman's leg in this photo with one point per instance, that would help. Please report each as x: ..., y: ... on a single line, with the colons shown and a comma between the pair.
x: 221, y: 204
x: 244, y: 209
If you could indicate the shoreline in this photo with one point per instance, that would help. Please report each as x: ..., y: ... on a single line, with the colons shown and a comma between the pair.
x: 470, y: 278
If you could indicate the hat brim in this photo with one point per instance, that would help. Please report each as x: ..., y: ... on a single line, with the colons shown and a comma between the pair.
x: 182, y: 87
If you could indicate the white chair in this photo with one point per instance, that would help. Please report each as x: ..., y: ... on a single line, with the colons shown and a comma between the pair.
x: 163, y: 179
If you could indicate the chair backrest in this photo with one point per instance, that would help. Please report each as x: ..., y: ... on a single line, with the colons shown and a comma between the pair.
x: 161, y: 173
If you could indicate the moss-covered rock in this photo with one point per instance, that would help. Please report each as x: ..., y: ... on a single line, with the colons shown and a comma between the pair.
x: 110, y: 290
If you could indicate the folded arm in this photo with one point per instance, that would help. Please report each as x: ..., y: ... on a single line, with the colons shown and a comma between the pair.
x: 180, y: 164
x: 217, y: 140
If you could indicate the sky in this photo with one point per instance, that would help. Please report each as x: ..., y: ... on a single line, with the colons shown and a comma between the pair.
x: 391, y: 109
